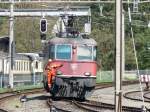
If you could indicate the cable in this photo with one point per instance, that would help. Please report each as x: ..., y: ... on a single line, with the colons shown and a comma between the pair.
x: 135, y: 54
x: 103, y: 23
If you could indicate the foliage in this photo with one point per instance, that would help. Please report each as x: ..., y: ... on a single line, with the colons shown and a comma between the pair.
x: 105, y: 50
x: 103, y: 30
x: 27, y: 35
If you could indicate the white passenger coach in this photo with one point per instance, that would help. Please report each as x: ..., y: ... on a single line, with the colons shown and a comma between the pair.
x: 28, y: 68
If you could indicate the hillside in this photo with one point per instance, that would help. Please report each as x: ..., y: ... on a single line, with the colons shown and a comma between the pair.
x: 27, y: 35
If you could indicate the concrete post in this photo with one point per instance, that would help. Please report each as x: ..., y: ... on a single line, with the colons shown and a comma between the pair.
x: 11, y: 38
x: 118, y: 71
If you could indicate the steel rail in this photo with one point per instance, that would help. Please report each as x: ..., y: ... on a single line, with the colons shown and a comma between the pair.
x: 126, y: 95
x: 2, y: 110
x: 92, y: 107
x: 95, y: 106
x: 106, y: 85
x: 145, y: 95
x: 53, y: 107
x: 16, y: 94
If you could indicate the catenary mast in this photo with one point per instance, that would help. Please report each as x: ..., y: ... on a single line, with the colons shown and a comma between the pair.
x: 118, y: 69
x: 11, y: 44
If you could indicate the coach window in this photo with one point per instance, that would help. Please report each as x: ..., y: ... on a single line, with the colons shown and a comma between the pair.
x: 94, y: 53
x: 52, y: 51
x: 84, y: 53
x: 63, y: 52
x: 15, y: 65
x: 18, y: 65
x: 27, y: 66
x: 24, y: 66
x: 36, y: 65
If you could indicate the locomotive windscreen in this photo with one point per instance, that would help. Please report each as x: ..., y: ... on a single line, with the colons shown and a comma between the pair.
x: 86, y: 53
x: 63, y: 52
x: 60, y: 51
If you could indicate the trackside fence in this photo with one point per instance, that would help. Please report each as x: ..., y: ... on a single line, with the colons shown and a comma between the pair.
x: 108, y: 76
x: 21, y: 80
x: 36, y: 79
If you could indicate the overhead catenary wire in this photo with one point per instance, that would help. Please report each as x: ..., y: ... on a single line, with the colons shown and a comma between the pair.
x: 66, y: 1
x: 136, y: 59
x: 111, y: 23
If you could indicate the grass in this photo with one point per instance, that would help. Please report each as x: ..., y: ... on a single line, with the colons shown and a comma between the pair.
x: 20, y: 88
x: 108, y: 76
x: 3, y: 90
x: 104, y: 76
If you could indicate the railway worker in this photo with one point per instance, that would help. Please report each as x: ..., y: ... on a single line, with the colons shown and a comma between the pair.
x: 23, y: 98
x: 147, y: 86
x: 145, y: 78
x: 51, y: 69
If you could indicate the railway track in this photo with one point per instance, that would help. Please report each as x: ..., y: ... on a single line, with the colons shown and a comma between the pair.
x: 93, y: 106
x: 9, y: 95
x: 54, y: 108
x: 131, y: 95
x: 128, y: 95
x: 2, y: 110
x: 85, y: 106
x: 90, y: 106
x: 147, y: 95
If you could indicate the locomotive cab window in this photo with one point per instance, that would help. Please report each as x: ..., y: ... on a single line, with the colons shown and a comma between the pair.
x: 84, y: 53
x: 94, y: 53
x: 63, y: 52
x: 52, y: 52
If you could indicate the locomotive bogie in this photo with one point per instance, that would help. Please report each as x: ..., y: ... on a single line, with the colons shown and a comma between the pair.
x: 74, y: 87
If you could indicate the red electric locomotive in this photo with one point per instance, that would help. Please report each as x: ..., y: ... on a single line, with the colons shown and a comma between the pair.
x: 70, y: 65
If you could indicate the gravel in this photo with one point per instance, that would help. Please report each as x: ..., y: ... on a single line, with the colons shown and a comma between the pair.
x: 35, y: 103
x: 107, y: 95
x: 38, y: 102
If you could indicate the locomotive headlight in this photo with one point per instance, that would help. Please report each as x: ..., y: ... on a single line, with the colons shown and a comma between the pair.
x: 87, y: 74
x: 59, y: 72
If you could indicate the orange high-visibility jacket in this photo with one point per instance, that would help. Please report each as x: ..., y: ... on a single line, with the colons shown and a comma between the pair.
x: 51, y: 71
